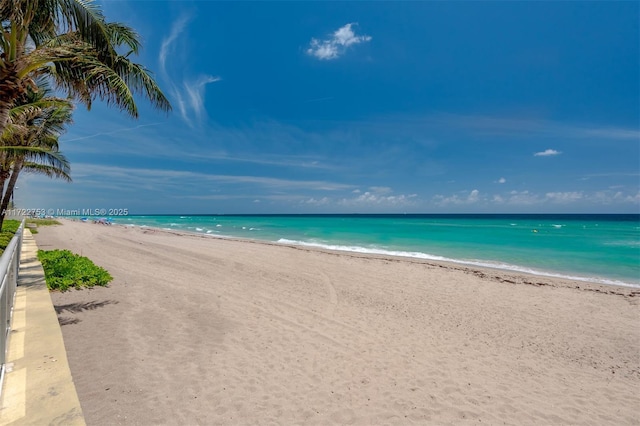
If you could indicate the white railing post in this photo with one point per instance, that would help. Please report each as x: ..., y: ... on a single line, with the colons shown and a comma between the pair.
x: 9, y: 266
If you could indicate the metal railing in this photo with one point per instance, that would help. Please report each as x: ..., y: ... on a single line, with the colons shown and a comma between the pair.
x: 9, y: 264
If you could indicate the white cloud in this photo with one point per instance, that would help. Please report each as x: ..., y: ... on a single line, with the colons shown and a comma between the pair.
x: 379, y: 197
x: 471, y: 198
x: 609, y: 198
x: 524, y: 198
x: 323, y: 51
x: 547, y: 153
x: 168, y: 43
x: 502, y: 180
x: 190, y: 100
x: 195, y: 91
x: 317, y: 202
x: 337, y: 44
x: 380, y: 189
x: 613, y: 133
x: 166, y: 179
x: 633, y: 198
x: 141, y: 143
x: 564, y: 197
x: 525, y: 127
x: 124, y: 129
x: 614, y: 174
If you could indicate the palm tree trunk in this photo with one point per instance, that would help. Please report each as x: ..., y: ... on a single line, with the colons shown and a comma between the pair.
x: 6, y: 197
x: 3, y: 179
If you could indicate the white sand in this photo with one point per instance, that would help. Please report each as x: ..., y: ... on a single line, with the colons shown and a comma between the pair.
x: 197, y: 330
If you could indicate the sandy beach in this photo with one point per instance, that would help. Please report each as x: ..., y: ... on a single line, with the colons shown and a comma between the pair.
x: 197, y: 330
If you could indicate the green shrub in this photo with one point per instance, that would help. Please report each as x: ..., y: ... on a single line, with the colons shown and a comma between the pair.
x: 9, y: 228
x: 5, y: 239
x: 33, y: 224
x: 63, y: 270
x: 10, y: 225
x: 42, y: 222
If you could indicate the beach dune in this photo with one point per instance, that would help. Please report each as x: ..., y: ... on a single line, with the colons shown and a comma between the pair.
x: 202, y: 330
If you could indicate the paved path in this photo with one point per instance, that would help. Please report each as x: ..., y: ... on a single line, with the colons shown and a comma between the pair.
x: 38, y: 388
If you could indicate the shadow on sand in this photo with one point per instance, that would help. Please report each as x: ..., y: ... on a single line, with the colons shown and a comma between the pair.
x: 75, y: 308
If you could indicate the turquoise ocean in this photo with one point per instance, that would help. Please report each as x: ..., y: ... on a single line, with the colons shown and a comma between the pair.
x: 596, y: 248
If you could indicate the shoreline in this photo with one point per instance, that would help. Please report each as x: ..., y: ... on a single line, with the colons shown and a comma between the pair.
x: 507, y: 269
x: 197, y: 330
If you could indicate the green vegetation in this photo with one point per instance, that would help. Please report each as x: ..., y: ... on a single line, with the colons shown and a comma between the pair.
x: 11, y: 225
x: 71, y: 43
x: 70, y: 46
x: 33, y: 224
x: 9, y: 228
x: 64, y: 269
x: 43, y: 222
x: 29, y: 142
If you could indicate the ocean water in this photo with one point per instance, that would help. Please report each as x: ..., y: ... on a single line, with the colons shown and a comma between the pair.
x: 597, y: 248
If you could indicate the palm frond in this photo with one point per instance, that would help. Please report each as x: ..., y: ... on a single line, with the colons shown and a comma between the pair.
x: 37, y: 122
x: 85, y: 17
x: 122, y: 35
x: 104, y: 83
x: 39, y: 155
x: 33, y: 107
x: 70, y: 42
x: 139, y: 79
x: 23, y: 150
x: 46, y: 170
x: 72, y: 51
x: 41, y: 21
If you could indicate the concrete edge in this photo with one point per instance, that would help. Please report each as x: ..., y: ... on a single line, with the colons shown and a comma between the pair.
x: 38, y: 387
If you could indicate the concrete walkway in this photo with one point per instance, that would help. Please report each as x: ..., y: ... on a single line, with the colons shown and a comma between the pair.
x: 38, y: 388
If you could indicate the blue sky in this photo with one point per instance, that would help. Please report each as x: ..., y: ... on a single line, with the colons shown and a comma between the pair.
x: 367, y: 107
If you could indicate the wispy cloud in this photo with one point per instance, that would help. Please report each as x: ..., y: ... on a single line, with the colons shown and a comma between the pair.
x: 564, y: 197
x: 163, y: 179
x: 380, y: 189
x: 528, y: 127
x: 189, y: 98
x: 522, y: 198
x: 613, y: 174
x: 613, y: 133
x: 380, y: 199
x: 168, y: 43
x: 547, y: 153
x: 240, y: 145
x: 126, y: 129
x: 376, y: 198
x: 528, y: 198
x: 290, y: 161
x: 324, y: 201
x: 195, y: 91
x: 337, y: 44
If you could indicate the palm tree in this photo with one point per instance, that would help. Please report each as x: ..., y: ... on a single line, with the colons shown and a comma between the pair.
x: 30, y: 140
x: 70, y: 41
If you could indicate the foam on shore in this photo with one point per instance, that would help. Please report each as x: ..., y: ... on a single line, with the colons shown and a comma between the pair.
x: 255, y: 332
